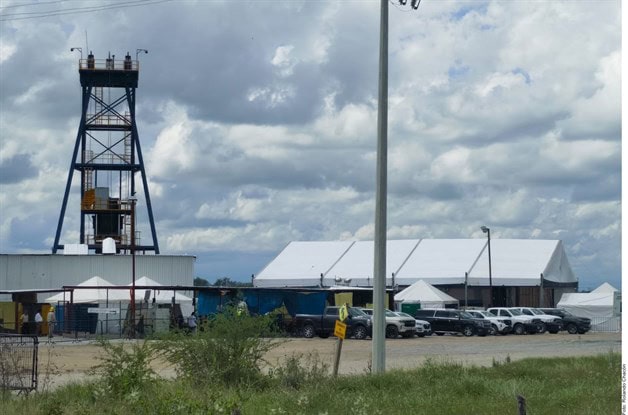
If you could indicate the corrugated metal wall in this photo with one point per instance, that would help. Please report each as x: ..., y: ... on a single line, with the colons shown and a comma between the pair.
x: 23, y: 272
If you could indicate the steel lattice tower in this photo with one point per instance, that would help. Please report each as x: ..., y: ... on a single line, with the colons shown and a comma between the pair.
x: 107, y: 154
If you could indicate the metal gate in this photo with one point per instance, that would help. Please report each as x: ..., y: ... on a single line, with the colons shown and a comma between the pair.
x: 18, y: 362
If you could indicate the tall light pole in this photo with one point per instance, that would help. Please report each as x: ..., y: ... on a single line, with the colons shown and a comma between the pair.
x: 379, y: 266
x: 490, y: 270
x: 133, y: 200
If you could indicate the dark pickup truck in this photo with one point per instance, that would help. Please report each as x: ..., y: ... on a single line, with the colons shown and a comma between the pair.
x: 571, y: 323
x: 358, y: 323
x: 453, y: 321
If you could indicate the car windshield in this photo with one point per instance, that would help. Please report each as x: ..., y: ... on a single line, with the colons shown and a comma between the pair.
x: 487, y: 314
x: 390, y: 314
x: 402, y: 314
x: 515, y: 312
x: 475, y: 314
x: 464, y: 314
x: 567, y: 313
x: 356, y: 312
x: 537, y: 312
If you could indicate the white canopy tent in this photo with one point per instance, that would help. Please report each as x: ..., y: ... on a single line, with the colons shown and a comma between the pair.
x: 424, y: 294
x: 164, y: 296
x: 96, y: 292
x: 515, y: 262
x: 601, y: 305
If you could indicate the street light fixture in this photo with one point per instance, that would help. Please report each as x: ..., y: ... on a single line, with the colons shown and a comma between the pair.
x: 490, y: 270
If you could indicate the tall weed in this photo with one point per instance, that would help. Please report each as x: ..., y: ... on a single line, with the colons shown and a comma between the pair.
x: 227, y: 349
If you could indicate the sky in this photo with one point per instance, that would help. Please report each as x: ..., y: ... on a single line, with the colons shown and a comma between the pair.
x: 258, y: 123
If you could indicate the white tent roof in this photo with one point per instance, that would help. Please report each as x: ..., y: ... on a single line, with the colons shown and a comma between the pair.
x: 588, y: 304
x: 515, y: 262
x: 605, y: 288
x: 161, y: 296
x: 424, y: 293
x: 96, y: 293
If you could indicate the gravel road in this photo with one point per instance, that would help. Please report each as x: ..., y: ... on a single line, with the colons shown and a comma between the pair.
x: 64, y: 362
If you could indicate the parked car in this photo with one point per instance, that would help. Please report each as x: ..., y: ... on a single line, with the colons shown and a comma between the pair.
x: 545, y: 322
x: 395, y: 324
x: 358, y: 323
x: 520, y: 322
x: 498, y: 324
x: 423, y: 328
x: 453, y: 321
x: 571, y: 323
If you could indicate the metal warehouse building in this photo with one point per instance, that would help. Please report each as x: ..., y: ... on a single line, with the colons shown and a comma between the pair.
x: 51, y: 271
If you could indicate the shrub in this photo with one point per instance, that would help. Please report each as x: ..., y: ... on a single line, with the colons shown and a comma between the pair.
x: 298, y: 370
x: 125, y: 371
x: 227, y: 349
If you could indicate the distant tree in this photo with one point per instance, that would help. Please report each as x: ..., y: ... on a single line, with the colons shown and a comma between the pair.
x: 201, y: 282
x: 228, y: 282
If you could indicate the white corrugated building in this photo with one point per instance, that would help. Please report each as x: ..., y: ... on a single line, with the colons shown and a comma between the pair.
x: 518, y: 267
x: 51, y: 271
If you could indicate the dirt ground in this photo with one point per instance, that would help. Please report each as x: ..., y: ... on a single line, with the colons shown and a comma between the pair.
x: 62, y: 362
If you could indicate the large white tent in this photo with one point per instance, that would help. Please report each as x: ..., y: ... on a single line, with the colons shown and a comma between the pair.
x: 97, y: 292
x: 514, y: 262
x: 601, y: 305
x: 426, y: 295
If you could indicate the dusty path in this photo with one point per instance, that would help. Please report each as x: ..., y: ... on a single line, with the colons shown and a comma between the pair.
x: 63, y: 362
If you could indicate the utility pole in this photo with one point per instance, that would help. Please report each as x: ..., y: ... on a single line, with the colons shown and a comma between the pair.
x: 381, y: 193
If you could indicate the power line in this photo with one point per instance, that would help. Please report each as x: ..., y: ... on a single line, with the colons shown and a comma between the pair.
x: 39, y: 3
x: 77, y: 10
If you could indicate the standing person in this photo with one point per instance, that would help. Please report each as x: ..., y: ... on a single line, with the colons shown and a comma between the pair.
x: 38, y: 320
x: 51, y: 319
x: 192, y: 322
x: 24, y: 321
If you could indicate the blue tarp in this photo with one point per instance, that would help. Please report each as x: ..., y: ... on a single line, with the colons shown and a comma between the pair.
x: 208, y: 303
x: 263, y: 301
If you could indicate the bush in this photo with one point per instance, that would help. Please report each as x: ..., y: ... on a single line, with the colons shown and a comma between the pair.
x: 227, y: 349
x: 125, y: 371
x: 298, y: 370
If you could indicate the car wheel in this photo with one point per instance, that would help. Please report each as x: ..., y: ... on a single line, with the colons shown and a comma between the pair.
x: 582, y: 331
x: 438, y: 333
x: 392, y: 332
x: 468, y: 331
x: 541, y: 328
x: 308, y: 331
x: 572, y: 329
x: 493, y: 330
x: 518, y: 329
x: 421, y: 334
x: 359, y: 333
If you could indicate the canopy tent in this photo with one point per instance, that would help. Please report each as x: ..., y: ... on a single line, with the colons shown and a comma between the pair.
x: 95, y: 292
x: 514, y: 262
x: 426, y: 295
x: 601, y: 305
x: 160, y: 296
x: 605, y: 288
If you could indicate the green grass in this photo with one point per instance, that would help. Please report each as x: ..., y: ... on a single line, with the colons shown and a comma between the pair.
x: 584, y: 385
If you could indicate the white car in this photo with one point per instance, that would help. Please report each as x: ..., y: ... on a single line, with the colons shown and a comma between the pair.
x: 423, y: 328
x: 396, y: 324
x: 498, y: 324
x: 520, y: 322
x: 546, y: 322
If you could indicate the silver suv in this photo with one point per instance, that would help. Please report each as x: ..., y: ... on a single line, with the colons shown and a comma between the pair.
x: 396, y: 324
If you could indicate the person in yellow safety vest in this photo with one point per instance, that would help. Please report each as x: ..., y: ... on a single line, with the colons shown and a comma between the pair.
x: 51, y: 319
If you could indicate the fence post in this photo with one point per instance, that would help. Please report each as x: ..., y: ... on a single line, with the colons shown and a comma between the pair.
x: 521, y: 402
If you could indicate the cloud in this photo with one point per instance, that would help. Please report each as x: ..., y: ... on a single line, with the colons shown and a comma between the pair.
x: 258, y: 124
